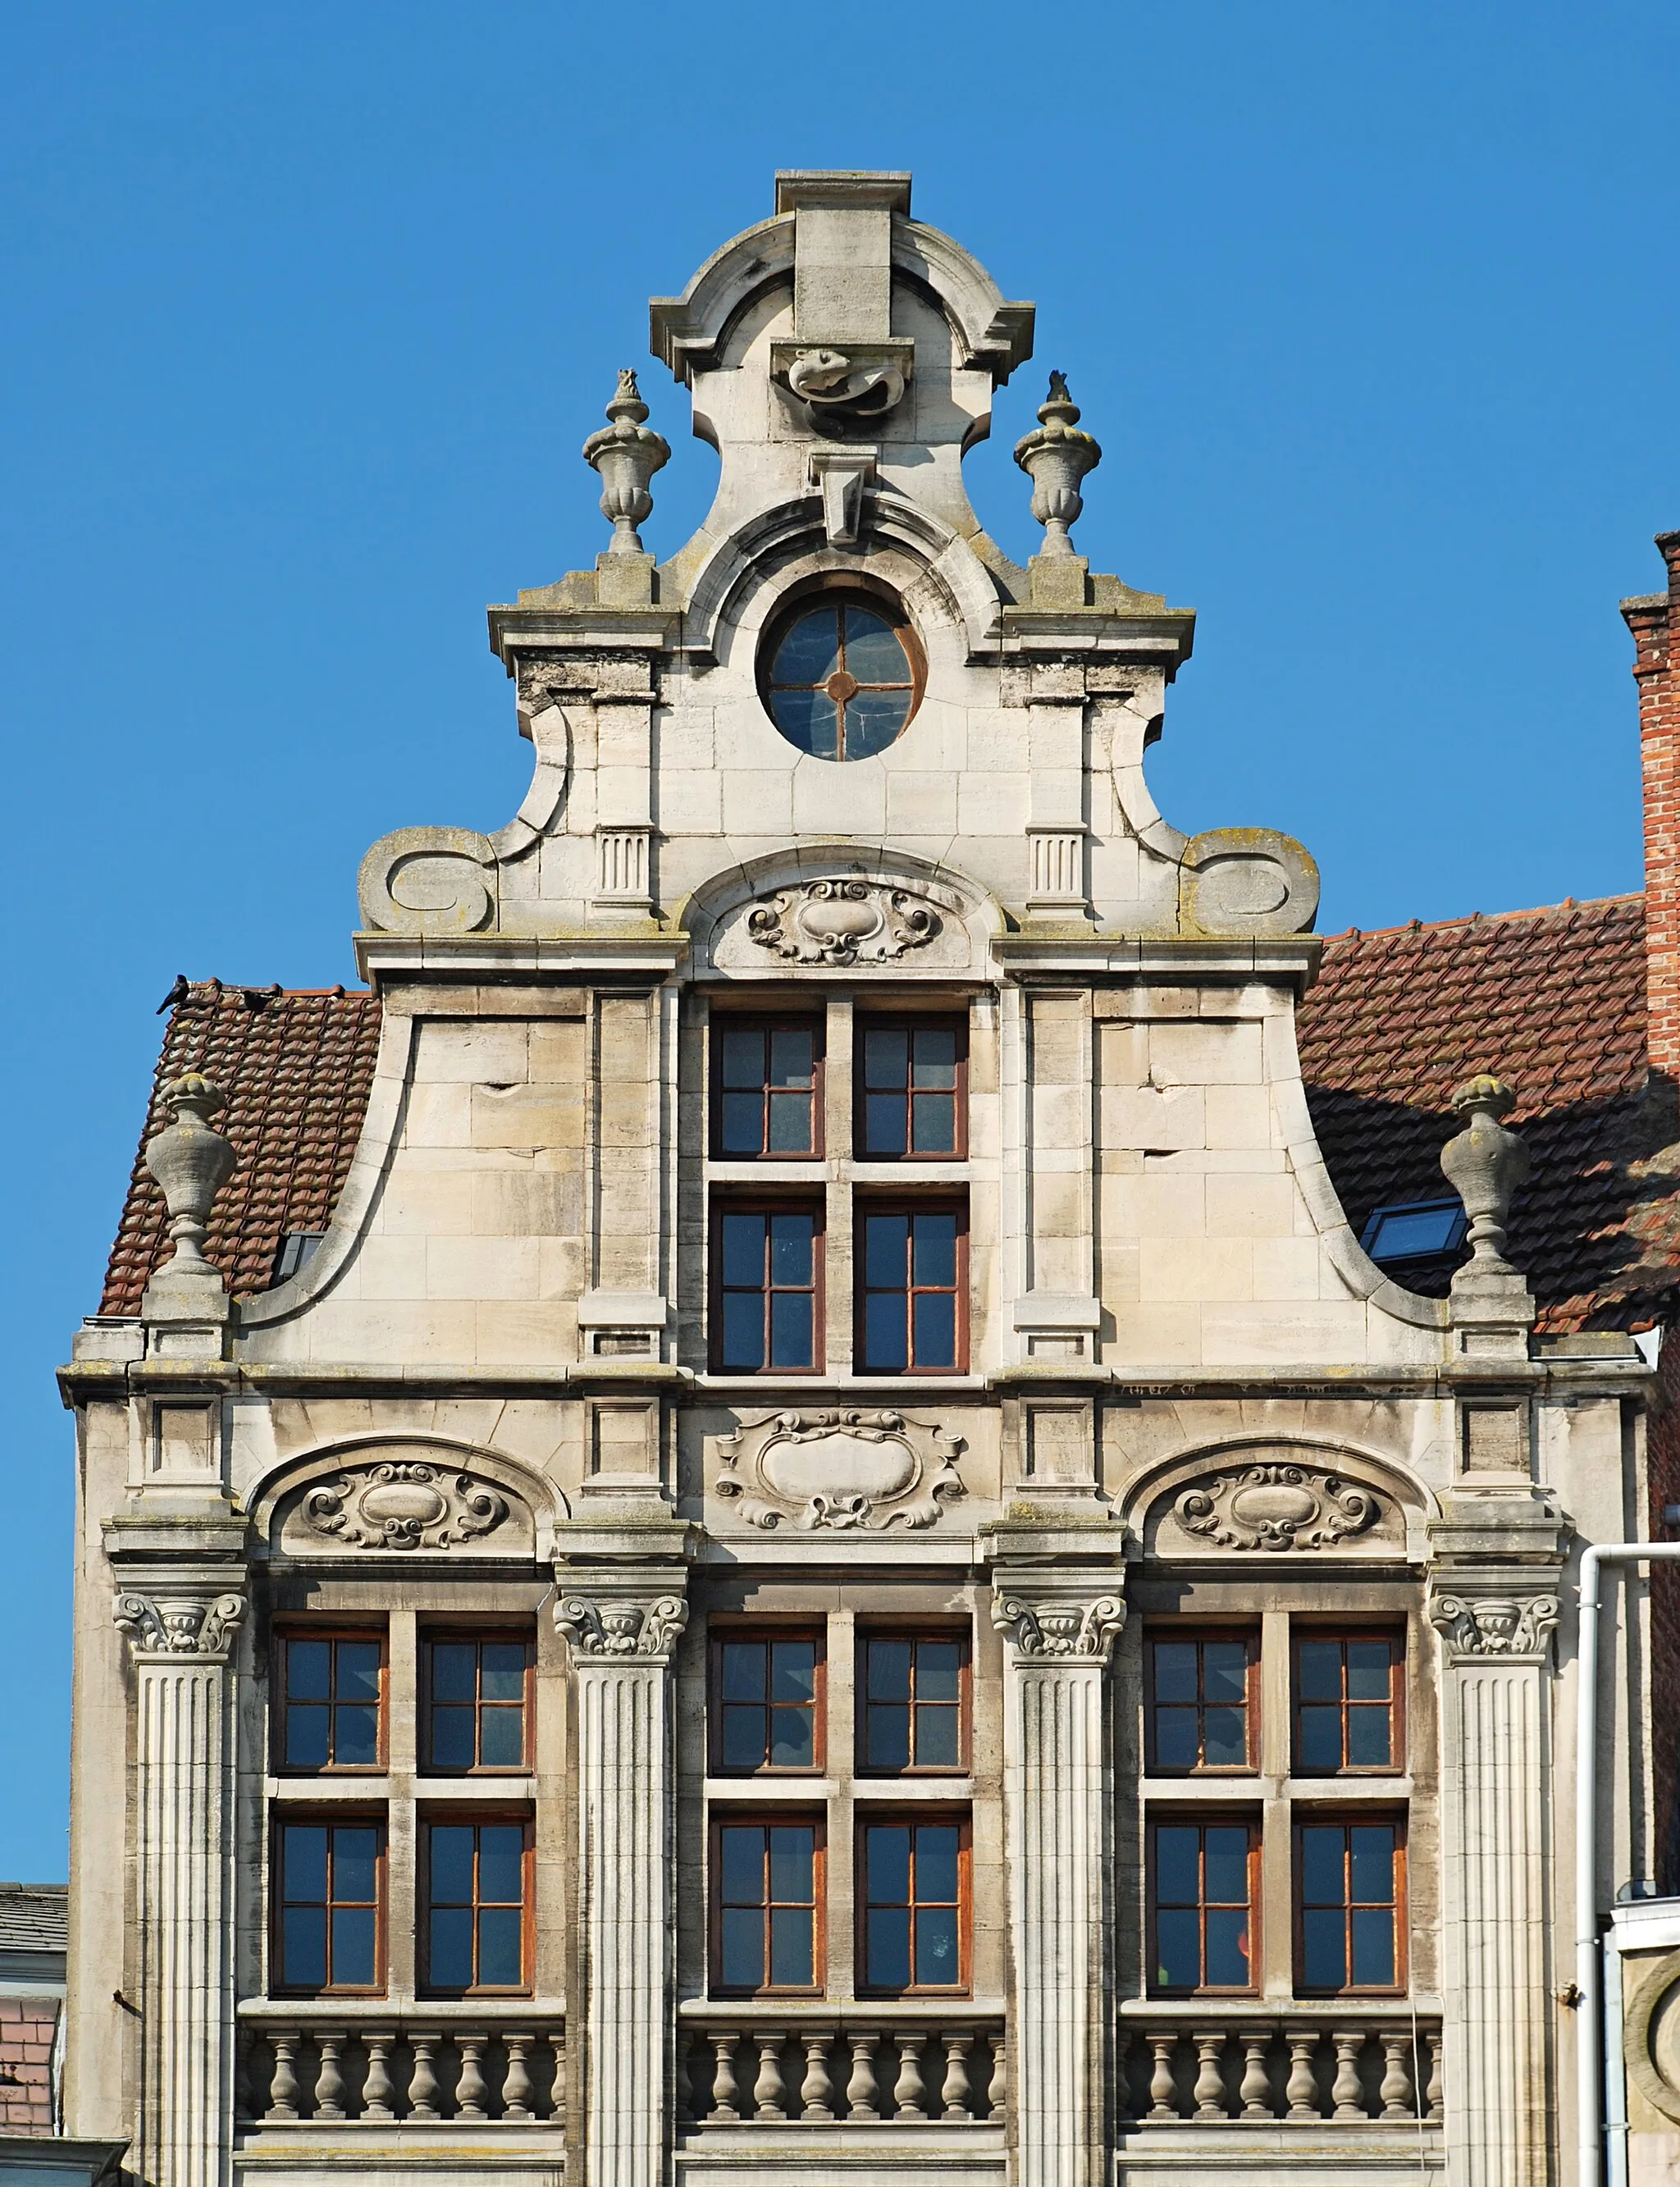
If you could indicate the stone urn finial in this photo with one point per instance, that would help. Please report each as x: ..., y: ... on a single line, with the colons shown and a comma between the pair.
x: 1056, y: 458
x: 192, y: 1161
x: 626, y: 454
x: 1485, y: 1164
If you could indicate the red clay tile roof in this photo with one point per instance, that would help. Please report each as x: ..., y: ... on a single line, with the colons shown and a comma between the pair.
x: 1553, y: 1001
x: 296, y: 1069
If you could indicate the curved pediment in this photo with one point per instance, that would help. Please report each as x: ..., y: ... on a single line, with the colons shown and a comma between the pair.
x: 387, y: 1498
x: 824, y: 908
x: 1266, y: 1498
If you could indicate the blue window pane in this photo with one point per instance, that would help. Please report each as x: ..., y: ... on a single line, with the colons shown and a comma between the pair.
x: 933, y: 1124
x: 356, y: 1861
x: 1368, y: 1745
x: 499, y: 1948
x: 743, y: 1056
x: 790, y: 1243
x: 936, y: 1861
x: 1406, y: 1233
x: 741, y: 1862
x: 306, y: 1861
x: 884, y: 1124
x: 744, y: 1250
x: 358, y: 1671
x: 887, y: 1852
x: 1175, y: 1670
x: 1324, y: 1947
x: 743, y: 1742
x: 793, y: 1671
x: 744, y: 1670
x: 873, y: 652
x: 885, y: 1341
x: 793, y: 1053
x: 934, y: 1066
x: 451, y: 1948
x: 303, y: 1946
x: 355, y: 1738
x: 935, y: 1260
x: 502, y: 1738
x: 1224, y: 1671
x: 936, y: 1328
x: 1320, y: 1739
x: 742, y: 1331
x: 452, y: 1738
x: 1320, y: 1670
x: 790, y: 1344
x: 873, y: 720
x: 790, y: 1124
x: 1374, y: 1948
x: 1178, y: 1956
x: 308, y: 1669
x: 793, y: 1852
x: 1177, y: 1865
x: 1367, y: 1670
x: 503, y: 1671
x: 1225, y: 1855
x: 1175, y: 1737
x: 887, y: 1948
x: 452, y: 1864
x: 1373, y: 1864
x: 886, y: 1736
x: 792, y: 1737
x: 741, y: 1947
x: 889, y: 1672
x: 809, y: 719
x: 939, y: 1671
x: 937, y: 1739
x: 886, y: 1240
x: 742, y: 1124
x: 354, y: 1943
x: 792, y: 1947
x: 306, y: 1736
x: 454, y: 1670
x: 810, y: 653
x: 1224, y: 1739
x: 937, y: 1965
x: 501, y: 1857
x: 1323, y: 1882
x: 1227, y: 1949
x: 886, y: 1056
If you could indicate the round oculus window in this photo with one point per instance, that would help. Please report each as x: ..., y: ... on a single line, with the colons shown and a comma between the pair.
x: 842, y: 681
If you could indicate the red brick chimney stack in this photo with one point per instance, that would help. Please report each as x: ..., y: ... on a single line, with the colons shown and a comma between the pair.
x: 1654, y: 622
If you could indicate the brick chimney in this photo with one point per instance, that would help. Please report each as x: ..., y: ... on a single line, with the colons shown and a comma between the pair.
x: 1654, y: 622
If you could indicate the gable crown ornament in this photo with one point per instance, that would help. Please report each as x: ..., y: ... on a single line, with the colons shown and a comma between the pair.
x: 626, y: 452
x: 1056, y: 459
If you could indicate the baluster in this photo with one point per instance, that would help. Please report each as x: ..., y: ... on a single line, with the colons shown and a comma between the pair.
x: 862, y: 2095
x: 1396, y: 2087
x: 557, y: 2091
x: 1163, y: 2089
x: 725, y: 2091
x: 816, y: 2090
x: 329, y: 2079
x: 283, y: 2082
x: 769, y: 2091
x: 376, y: 2083
x: 1434, y: 2098
x: 909, y: 2092
x: 1302, y: 2090
x: 1210, y: 2089
x: 471, y: 2090
x: 956, y: 2094
x: 997, y: 2088
x: 516, y: 2089
x: 1346, y: 2093
x: 423, y: 2078
x: 1256, y: 2088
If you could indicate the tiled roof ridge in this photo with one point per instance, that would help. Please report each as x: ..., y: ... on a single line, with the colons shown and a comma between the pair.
x: 1473, y: 918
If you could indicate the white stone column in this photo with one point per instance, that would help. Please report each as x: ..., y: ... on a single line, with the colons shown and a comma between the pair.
x: 181, y: 1643
x: 1058, y: 1802
x: 621, y: 1648
x: 1496, y: 1790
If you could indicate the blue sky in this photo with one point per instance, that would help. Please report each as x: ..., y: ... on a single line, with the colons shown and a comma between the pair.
x: 1373, y: 309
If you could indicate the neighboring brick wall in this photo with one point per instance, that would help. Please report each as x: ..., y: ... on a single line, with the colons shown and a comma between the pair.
x: 26, y: 2029
x: 1654, y: 622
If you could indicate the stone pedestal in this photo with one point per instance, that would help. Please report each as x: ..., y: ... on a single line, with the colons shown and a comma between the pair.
x: 182, y: 1639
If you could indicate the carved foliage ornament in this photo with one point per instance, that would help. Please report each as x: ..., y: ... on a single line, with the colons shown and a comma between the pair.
x: 1068, y: 1631
x: 840, y: 1471
x: 1272, y: 1506
x: 842, y: 922
x: 609, y: 1628
x: 1494, y: 1625
x: 180, y: 1625
x: 403, y: 1504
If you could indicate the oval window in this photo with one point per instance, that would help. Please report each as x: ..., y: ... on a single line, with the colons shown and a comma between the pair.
x: 842, y: 681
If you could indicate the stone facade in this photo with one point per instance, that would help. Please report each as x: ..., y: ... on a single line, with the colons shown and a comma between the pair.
x: 780, y: 958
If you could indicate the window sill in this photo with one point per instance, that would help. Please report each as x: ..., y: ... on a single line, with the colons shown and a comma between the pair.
x: 848, y: 1384
x: 1246, y: 1789
x: 515, y: 1791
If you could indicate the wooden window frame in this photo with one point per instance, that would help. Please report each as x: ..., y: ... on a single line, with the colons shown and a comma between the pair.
x: 765, y: 1817
x: 871, y: 1818
x: 1395, y: 1638
x: 478, y: 1817
x: 430, y: 1636
x: 909, y: 1022
x: 934, y: 1202
x: 1344, y: 1819
x: 963, y: 1636
x: 283, y: 1635
x: 718, y: 1636
x: 1249, y: 1635
x: 285, y: 1817
x: 767, y: 1021
x: 728, y: 1202
x: 1205, y: 1819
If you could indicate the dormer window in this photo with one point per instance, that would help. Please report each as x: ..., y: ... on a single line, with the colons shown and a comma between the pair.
x: 1415, y: 1231
x: 842, y: 676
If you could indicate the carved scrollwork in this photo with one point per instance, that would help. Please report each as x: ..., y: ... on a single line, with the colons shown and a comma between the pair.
x: 610, y: 1627
x: 842, y: 922
x: 840, y: 393
x: 1494, y: 1624
x: 1652, y: 2033
x: 840, y: 1471
x: 1247, y: 880
x: 180, y: 1625
x: 429, y: 880
x: 1060, y: 1629
x: 1276, y: 1506
x: 404, y: 1505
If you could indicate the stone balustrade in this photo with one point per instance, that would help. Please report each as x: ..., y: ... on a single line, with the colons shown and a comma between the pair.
x: 411, y: 2069
x: 855, y: 2071
x: 1349, y: 2066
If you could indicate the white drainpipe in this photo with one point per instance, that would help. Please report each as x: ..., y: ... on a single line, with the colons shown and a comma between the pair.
x: 1589, y: 2022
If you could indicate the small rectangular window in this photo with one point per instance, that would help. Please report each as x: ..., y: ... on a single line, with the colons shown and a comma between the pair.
x: 332, y: 1701
x: 912, y: 1095
x: 1350, y: 1886
x: 1348, y: 1713
x: 477, y: 1907
x: 766, y: 1288
x: 915, y: 1697
x: 1203, y: 1702
x: 1415, y: 1230
x: 913, y: 1295
x: 329, y: 1909
x: 767, y: 1089
x: 766, y: 1905
x: 767, y: 1701
x: 915, y: 1905
x: 477, y: 1703
x: 1202, y: 1878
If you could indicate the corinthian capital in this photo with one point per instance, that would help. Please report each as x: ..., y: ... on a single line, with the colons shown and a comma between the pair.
x: 1060, y: 1628
x: 1494, y: 1624
x: 617, y: 1628
x: 175, y: 1625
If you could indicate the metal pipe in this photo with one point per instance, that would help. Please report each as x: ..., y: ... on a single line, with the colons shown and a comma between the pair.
x: 1589, y: 2028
